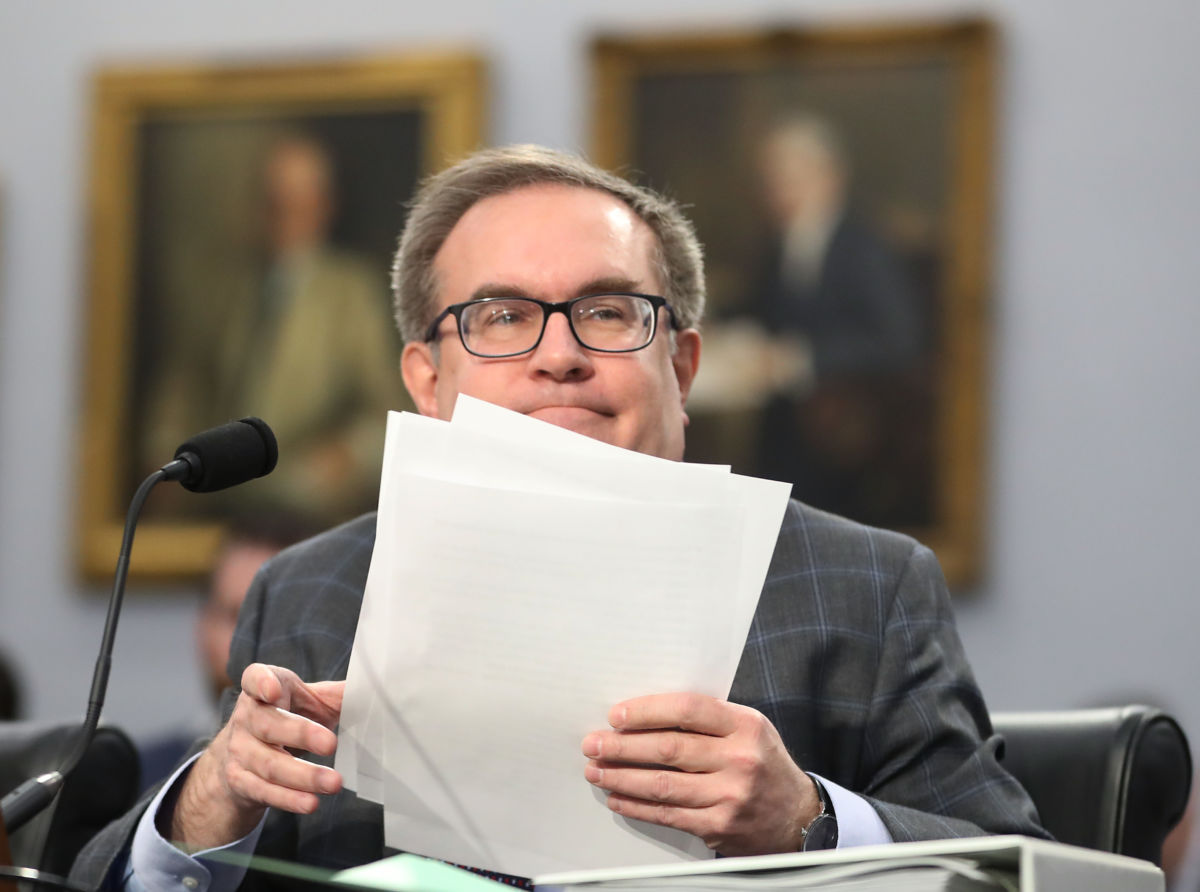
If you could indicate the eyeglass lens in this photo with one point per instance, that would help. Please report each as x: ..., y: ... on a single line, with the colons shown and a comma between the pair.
x: 611, y: 322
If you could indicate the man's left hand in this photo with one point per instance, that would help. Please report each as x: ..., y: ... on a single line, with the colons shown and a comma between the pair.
x: 709, y: 767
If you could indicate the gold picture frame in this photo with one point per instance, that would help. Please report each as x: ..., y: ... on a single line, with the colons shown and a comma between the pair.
x: 893, y: 125
x: 175, y: 165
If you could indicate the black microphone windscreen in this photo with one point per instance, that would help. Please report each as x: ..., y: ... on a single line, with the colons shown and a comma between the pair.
x: 230, y: 454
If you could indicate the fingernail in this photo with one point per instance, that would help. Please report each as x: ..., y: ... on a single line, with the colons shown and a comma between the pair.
x: 591, y: 746
x: 619, y: 715
x: 330, y: 783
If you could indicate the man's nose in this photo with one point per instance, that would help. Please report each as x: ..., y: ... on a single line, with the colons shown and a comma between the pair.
x: 559, y: 354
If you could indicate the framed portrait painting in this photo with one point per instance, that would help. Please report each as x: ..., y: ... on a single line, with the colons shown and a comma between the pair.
x: 840, y: 181
x: 242, y: 221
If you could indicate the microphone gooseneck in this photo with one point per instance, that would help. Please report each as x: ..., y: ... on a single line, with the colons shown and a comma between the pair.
x: 214, y: 459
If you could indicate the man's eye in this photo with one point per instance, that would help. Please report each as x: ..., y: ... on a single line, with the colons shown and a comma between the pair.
x: 605, y: 313
x: 502, y: 317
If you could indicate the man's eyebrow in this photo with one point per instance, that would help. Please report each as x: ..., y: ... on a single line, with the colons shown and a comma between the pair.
x: 605, y: 285
x: 608, y: 285
x: 497, y: 289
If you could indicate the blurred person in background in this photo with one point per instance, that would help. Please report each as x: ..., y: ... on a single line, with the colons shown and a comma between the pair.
x: 842, y: 320
x: 251, y: 540
x: 305, y: 342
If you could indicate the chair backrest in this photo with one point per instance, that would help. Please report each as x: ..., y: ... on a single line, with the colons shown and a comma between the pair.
x: 103, y: 786
x: 1114, y: 779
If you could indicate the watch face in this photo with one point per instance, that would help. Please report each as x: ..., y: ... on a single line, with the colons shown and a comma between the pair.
x: 823, y: 834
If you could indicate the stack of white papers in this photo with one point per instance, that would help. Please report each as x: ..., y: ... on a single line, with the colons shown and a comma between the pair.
x: 524, y: 580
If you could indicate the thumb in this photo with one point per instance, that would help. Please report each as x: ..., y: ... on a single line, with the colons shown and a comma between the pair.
x: 320, y: 701
x: 325, y: 705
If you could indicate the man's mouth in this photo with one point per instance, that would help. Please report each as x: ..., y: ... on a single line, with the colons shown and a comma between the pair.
x: 569, y: 416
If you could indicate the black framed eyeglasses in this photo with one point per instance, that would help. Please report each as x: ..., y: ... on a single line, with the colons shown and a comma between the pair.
x: 496, y: 327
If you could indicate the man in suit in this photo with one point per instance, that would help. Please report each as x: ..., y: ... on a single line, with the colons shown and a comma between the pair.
x: 313, y: 352
x: 536, y: 281
x: 838, y: 302
x: 304, y: 340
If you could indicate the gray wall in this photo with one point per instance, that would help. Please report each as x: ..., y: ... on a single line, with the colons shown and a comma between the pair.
x: 1091, y: 585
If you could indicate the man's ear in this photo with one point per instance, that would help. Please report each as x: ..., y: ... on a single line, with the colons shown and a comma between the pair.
x: 418, y: 367
x: 686, y: 360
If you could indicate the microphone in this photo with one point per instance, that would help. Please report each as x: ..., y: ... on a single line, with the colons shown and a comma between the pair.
x: 211, y: 460
x: 224, y: 456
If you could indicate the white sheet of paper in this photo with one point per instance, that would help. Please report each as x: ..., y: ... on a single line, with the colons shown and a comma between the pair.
x: 524, y: 579
x: 533, y: 456
x: 763, y: 500
x: 497, y: 672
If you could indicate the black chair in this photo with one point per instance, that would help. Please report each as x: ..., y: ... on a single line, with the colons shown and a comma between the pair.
x: 1113, y: 779
x: 103, y: 786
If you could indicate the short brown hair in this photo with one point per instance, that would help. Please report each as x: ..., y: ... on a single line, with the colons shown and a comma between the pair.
x: 445, y: 197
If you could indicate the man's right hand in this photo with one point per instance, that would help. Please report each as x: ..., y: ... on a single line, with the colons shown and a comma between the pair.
x: 247, y: 767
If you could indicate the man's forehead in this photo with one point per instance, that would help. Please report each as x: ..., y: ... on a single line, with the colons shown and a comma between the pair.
x: 557, y: 235
x: 518, y: 202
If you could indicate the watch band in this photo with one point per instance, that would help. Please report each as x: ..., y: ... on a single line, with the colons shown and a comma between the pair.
x: 822, y: 831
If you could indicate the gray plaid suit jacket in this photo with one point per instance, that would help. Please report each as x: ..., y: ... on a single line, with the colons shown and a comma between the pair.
x: 853, y: 655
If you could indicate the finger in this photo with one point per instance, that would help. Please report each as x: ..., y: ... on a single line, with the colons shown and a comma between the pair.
x: 654, y: 785
x: 691, y: 712
x: 689, y: 820
x: 276, y: 766
x: 685, y: 750
x: 277, y: 727
x: 258, y: 791
x: 266, y: 683
x: 268, y: 776
x: 320, y: 701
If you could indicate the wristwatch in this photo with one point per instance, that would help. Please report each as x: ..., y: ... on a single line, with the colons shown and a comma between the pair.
x: 822, y: 831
